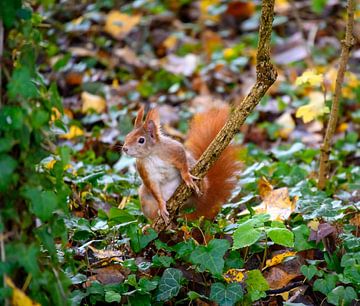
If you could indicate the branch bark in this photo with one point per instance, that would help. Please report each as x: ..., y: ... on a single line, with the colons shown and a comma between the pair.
x: 347, y: 43
x: 265, y: 76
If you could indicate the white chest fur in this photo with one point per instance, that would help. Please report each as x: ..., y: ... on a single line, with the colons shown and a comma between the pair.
x: 164, y: 173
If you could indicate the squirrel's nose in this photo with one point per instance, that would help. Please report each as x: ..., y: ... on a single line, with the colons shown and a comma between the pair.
x: 125, y: 149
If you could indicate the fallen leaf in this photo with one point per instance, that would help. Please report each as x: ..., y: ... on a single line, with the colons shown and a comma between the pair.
x: 74, y: 131
x: 276, y: 202
x: 104, y: 254
x: 282, y: 6
x: 234, y: 275
x: 181, y: 65
x: 310, y: 77
x: 113, y: 274
x: 277, y: 259
x: 19, y: 298
x: 92, y: 102
x: 241, y: 9
x: 205, y: 10
x: 277, y: 278
x: 315, y: 108
x: 119, y: 25
x: 170, y: 42
x: 287, y: 125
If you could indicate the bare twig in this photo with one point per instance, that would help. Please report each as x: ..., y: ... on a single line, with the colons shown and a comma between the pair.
x: 265, y: 77
x: 347, y: 43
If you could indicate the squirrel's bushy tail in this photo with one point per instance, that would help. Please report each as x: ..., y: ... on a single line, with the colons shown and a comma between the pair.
x: 222, y: 175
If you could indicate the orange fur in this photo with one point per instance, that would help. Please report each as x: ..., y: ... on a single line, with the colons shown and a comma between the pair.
x: 221, y: 176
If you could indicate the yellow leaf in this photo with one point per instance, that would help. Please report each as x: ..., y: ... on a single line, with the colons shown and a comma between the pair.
x: 119, y: 25
x: 55, y: 114
x: 287, y: 124
x: 281, y: 6
x: 278, y: 259
x: 170, y: 42
x: 50, y: 164
x: 74, y: 131
x: 264, y: 187
x: 205, y: 10
x: 94, y: 102
x: 315, y: 108
x: 314, y: 225
x: 310, y: 77
x: 234, y: 275
x: 19, y: 298
x: 229, y: 53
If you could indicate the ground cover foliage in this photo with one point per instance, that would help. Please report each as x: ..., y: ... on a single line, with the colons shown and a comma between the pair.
x: 71, y: 229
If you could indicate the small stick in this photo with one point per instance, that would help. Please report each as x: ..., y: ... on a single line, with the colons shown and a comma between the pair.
x: 325, y: 149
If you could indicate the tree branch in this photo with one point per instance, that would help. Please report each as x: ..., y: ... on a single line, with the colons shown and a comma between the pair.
x: 330, y: 130
x: 265, y: 77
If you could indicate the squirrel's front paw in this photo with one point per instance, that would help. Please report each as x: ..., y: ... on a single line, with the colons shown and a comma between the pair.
x: 190, y: 183
x: 163, y: 212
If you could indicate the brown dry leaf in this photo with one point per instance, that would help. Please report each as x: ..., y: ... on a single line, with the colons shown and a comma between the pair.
x: 277, y: 259
x: 277, y: 278
x: 211, y: 42
x: 102, y: 254
x: 19, y: 298
x: 276, y: 202
x: 241, y: 9
x: 234, y: 275
x: 128, y: 56
x: 119, y: 25
x: 94, y: 102
x: 113, y: 274
x: 355, y: 220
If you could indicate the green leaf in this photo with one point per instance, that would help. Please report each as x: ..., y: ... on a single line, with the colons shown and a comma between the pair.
x: 147, y: 285
x: 342, y: 296
x: 353, y: 273
x: 169, y: 285
x: 318, y: 5
x: 281, y: 236
x: 256, y: 285
x: 309, y: 271
x: 112, y: 296
x: 7, y: 168
x: 226, y: 295
x: 245, y: 235
x: 8, y: 11
x: 301, y: 234
x: 210, y: 257
x: 162, y: 261
x: 326, y: 284
x: 21, y: 84
x: 11, y: 118
x: 43, y: 203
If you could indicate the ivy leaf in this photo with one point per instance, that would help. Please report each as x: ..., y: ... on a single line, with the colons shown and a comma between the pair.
x: 8, y: 12
x: 245, y: 235
x: 325, y: 285
x: 169, y: 285
x: 210, y: 257
x: 281, y: 236
x: 112, y: 296
x: 342, y: 296
x: 21, y: 84
x: 7, y: 166
x: 43, y: 203
x: 256, y: 285
x: 309, y: 271
x: 226, y: 295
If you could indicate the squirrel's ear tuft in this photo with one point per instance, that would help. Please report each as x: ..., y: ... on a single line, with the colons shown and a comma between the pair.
x: 139, y: 117
x: 153, y: 115
x: 152, y: 129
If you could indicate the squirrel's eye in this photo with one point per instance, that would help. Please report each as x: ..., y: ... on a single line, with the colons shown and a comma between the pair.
x: 141, y: 140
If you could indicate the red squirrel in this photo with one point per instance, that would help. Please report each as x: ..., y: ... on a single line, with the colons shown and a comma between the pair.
x: 163, y: 162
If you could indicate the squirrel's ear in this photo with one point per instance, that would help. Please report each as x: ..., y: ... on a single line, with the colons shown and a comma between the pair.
x: 153, y: 115
x: 139, y: 117
x: 152, y: 129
